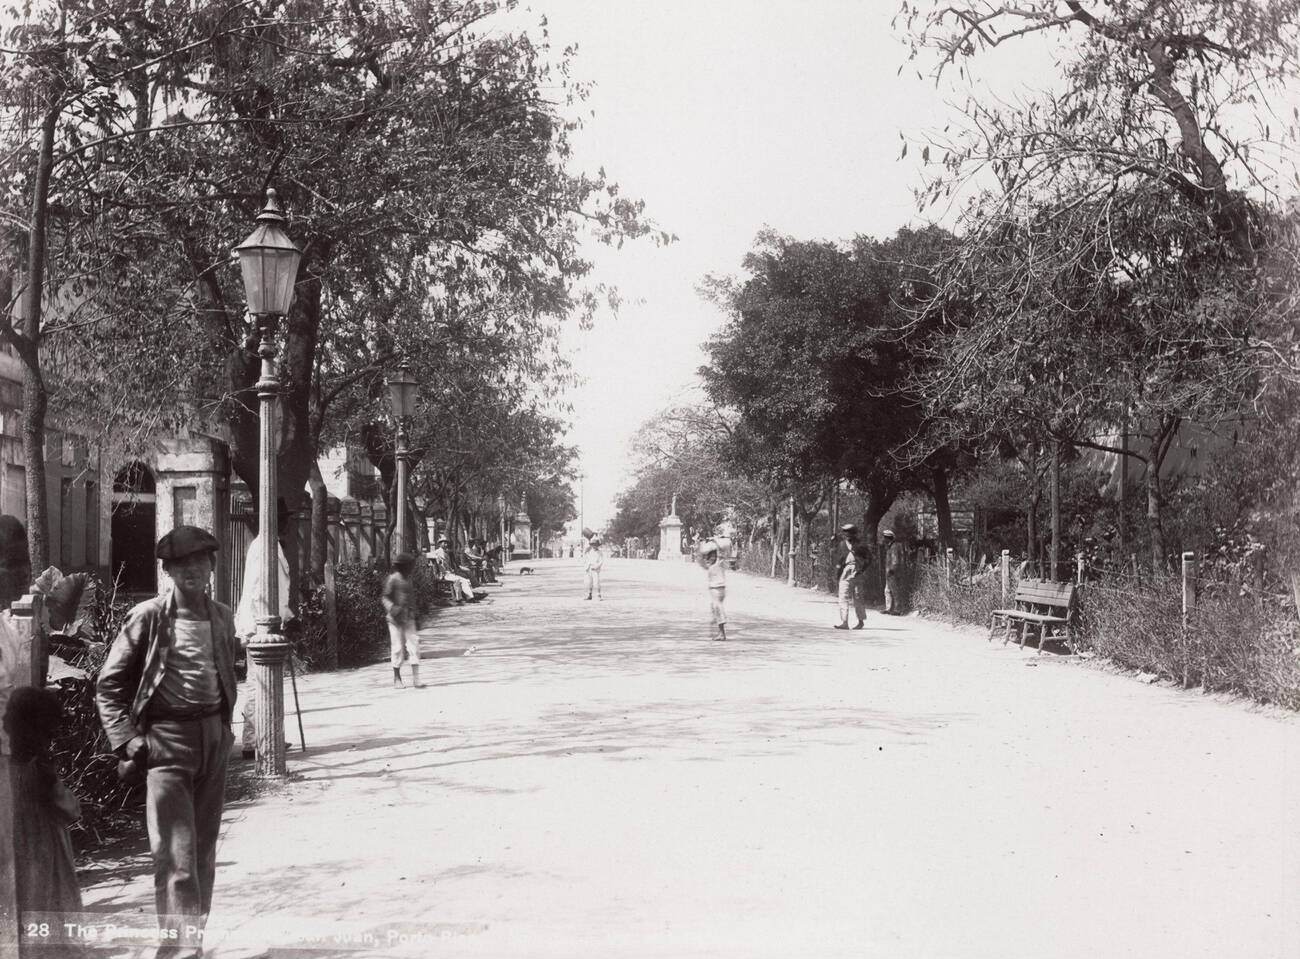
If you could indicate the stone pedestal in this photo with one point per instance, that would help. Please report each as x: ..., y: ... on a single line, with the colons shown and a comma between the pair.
x: 194, y: 490
x: 670, y: 537
x: 521, y: 546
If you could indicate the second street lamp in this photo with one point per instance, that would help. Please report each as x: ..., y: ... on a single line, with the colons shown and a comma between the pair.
x: 268, y: 260
x: 402, y: 386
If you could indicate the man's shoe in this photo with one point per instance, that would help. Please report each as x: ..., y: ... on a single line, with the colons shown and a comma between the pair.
x: 841, y: 625
x: 859, y: 626
x: 588, y: 596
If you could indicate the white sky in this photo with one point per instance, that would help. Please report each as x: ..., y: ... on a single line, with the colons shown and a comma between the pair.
x: 725, y: 117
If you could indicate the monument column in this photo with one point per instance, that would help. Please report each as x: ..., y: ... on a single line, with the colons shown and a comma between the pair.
x: 670, y: 534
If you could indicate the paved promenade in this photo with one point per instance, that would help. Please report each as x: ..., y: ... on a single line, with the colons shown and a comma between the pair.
x: 584, y: 779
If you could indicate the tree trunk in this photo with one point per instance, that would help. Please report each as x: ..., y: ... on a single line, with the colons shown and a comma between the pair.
x: 942, y: 507
x: 1054, y: 492
x: 776, y: 535
x: 1121, y: 527
x: 35, y: 398
x: 880, y: 497
x: 1031, y: 523
x: 1166, y: 430
x: 319, y: 525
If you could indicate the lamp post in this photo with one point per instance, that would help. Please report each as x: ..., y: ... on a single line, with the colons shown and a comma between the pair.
x: 401, y: 388
x: 268, y: 260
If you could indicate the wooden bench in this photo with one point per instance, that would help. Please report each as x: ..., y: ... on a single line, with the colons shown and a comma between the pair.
x: 1041, y: 603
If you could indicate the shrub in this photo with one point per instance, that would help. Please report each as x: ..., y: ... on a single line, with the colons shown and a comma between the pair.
x: 81, y: 749
x: 963, y: 599
x: 1232, y: 643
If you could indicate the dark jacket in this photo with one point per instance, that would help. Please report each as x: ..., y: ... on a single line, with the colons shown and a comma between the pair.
x: 137, y: 660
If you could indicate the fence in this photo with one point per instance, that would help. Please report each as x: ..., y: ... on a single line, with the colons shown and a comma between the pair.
x: 357, y: 532
x: 1216, y: 626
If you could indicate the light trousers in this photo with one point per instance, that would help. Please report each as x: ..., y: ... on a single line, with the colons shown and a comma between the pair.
x: 852, y: 592
x: 717, y: 599
x: 403, y: 643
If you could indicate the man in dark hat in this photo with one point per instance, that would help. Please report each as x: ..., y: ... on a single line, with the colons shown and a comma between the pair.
x: 165, y: 695
x: 852, y: 590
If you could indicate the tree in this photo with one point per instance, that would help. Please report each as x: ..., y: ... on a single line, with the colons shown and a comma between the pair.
x: 678, y: 455
x: 427, y: 174
x: 816, y: 359
x: 1150, y: 91
x: 1077, y: 319
x: 70, y: 73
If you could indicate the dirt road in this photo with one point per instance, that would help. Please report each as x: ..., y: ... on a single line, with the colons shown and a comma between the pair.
x: 599, y: 779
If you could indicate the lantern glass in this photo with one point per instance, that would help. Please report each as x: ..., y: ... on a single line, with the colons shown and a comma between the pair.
x: 401, y: 387
x: 269, y: 261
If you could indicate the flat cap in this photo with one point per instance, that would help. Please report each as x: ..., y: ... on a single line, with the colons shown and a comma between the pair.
x: 888, y: 532
x: 848, y: 528
x: 186, y: 541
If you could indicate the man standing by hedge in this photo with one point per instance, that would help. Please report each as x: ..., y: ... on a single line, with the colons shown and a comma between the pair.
x: 165, y: 695
x: 893, y: 564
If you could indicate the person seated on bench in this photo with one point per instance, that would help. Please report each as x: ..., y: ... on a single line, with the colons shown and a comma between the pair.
x: 445, y: 570
x: 489, y: 573
x: 475, y: 560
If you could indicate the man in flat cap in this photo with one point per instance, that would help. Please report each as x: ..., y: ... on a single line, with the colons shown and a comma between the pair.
x: 852, y: 590
x: 165, y: 695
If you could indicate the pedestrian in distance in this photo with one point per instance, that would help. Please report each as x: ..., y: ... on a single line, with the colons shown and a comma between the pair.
x: 43, y: 809
x: 893, y: 566
x: 852, y: 574
x: 595, y: 560
x: 716, y: 577
x: 403, y: 640
x: 165, y: 695
x: 849, y: 541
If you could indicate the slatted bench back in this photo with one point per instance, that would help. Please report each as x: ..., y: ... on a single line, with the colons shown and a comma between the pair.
x: 1041, y: 592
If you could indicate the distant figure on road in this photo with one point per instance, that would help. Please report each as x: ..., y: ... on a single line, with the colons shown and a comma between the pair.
x: 595, y: 560
x: 852, y: 585
x: 398, y: 600
x: 716, y: 571
x: 852, y: 588
x: 893, y: 565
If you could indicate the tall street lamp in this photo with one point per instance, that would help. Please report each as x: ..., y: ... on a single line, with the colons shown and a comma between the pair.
x: 401, y: 388
x: 268, y: 260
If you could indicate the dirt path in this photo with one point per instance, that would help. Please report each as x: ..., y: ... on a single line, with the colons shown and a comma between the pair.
x: 598, y: 779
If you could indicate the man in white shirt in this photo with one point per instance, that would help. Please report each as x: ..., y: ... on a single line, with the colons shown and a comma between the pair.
x: 251, y: 606
x: 595, y: 560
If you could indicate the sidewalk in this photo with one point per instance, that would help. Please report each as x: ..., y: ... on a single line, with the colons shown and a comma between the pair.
x: 599, y: 779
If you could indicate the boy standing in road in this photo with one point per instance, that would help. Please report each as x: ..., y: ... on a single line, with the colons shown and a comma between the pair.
x: 165, y: 696
x: 716, y: 571
x: 403, y: 641
x: 595, y: 560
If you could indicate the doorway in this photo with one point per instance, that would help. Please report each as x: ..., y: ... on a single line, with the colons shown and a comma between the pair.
x: 134, y: 523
